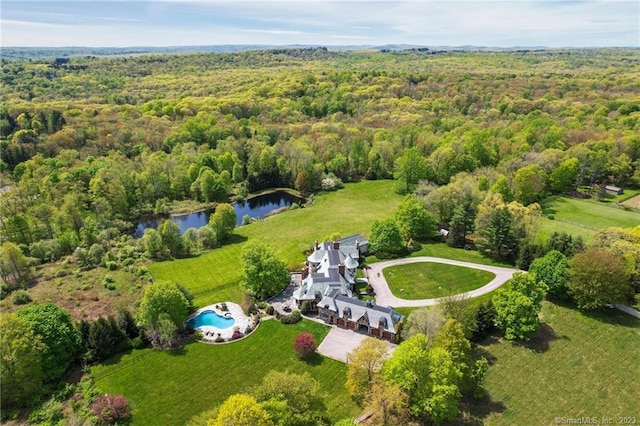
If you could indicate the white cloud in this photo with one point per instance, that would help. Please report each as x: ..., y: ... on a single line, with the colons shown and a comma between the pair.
x: 443, y: 22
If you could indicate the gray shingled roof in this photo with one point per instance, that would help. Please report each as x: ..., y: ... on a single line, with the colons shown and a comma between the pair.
x: 358, y: 309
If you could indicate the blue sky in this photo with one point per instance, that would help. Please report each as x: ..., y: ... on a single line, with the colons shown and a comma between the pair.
x: 555, y: 23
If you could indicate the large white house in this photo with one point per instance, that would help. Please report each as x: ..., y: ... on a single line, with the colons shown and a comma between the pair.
x: 328, y: 282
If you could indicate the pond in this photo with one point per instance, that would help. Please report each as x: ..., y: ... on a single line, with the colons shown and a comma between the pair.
x: 256, y: 207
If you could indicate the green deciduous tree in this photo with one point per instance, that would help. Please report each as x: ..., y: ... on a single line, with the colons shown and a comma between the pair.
x: 162, y: 301
x: 14, y: 265
x: 21, y: 359
x: 364, y: 363
x: 413, y: 219
x: 427, y: 321
x: 291, y: 399
x: 265, y: 275
x: 55, y: 329
x: 408, y: 368
x: 388, y: 405
x: 223, y: 221
x: 241, y: 410
x: 529, y: 183
x: 563, y: 177
x: 171, y: 237
x: 430, y: 377
x: 444, y: 378
x: 152, y: 243
x: 386, y: 239
x: 411, y: 168
x: 517, y: 308
x: 596, y: 278
x: 516, y: 314
x: 553, y: 270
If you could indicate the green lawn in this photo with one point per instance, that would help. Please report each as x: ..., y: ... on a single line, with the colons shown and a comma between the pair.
x: 582, y: 218
x: 434, y: 249
x: 428, y: 280
x: 580, y: 365
x: 170, y: 387
x: 215, y: 276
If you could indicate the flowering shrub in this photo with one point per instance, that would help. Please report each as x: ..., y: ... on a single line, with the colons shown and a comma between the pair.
x: 110, y: 408
x: 304, y: 345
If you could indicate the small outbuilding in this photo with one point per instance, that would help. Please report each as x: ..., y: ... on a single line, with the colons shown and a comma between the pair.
x: 613, y: 190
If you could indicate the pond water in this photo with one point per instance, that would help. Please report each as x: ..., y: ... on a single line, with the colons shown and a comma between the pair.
x: 255, y: 207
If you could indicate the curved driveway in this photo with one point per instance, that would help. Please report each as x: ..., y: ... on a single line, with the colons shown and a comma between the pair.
x: 384, y: 297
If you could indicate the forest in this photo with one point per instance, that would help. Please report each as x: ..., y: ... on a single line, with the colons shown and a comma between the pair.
x: 89, y: 144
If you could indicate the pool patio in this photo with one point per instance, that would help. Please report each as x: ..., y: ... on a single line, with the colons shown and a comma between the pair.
x: 210, y: 333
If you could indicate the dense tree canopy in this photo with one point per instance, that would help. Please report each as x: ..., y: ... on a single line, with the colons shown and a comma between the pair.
x: 91, y: 144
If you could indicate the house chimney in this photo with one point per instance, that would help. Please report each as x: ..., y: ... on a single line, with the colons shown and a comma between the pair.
x: 317, y: 245
x: 341, y: 269
x: 336, y: 244
x: 305, y: 272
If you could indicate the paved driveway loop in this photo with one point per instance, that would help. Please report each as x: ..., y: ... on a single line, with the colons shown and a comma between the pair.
x: 384, y: 297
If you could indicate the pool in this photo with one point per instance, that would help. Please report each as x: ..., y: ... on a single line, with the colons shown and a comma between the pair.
x: 212, y: 319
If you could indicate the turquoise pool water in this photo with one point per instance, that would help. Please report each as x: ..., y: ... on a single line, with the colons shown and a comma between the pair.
x: 212, y: 319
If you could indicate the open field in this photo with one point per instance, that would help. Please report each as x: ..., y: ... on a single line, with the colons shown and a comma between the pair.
x: 170, y: 387
x: 633, y: 202
x: 429, y: 280
x: 579, y: 365
x: 582, y: 218
x: 83, y: 294
x: 215, y: 276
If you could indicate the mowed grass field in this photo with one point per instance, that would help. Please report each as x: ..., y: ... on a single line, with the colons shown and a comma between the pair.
x: 580, y: 365
x: 170, y: 387
x: 582, y: 218
x: 427, y: 280
x: 216, y: 276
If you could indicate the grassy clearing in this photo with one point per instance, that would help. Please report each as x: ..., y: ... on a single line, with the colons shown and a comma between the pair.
x: 170, y: 387
x: 215, y: 276
x: 584, y: 218
x: 83, y: 294
x: 427, y: 280
x: 579, y: 365
x: 633, y: 202
x: 549, y: 226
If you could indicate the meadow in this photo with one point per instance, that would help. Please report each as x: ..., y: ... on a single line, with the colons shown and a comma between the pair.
x: 216, y: 276
x: 582, y: 218
x: 429, y: 280
x: 578, y: 365
x: 169, y: 387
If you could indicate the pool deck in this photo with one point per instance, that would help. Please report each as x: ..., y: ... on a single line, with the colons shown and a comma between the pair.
x: 211, y: 333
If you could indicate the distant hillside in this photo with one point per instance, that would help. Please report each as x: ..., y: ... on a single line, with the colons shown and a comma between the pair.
x: 9, y: 53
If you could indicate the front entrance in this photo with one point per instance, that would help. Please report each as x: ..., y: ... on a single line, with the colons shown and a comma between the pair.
x: 363, y: 328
